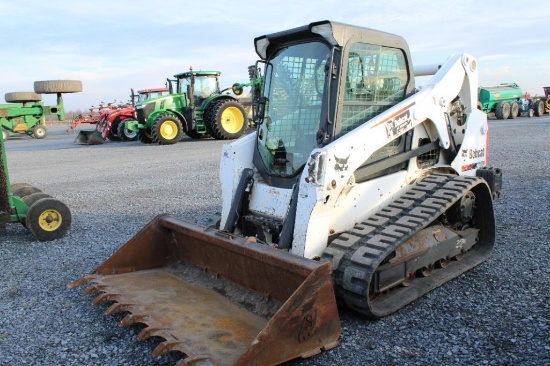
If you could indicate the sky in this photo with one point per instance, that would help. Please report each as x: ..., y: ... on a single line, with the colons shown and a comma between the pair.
x: 113, y: 46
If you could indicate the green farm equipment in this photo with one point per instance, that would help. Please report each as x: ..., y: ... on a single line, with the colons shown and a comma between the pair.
x: 25, y: 112
x: 502, y: 100
x: 195, y: 106
x: 45, y: 217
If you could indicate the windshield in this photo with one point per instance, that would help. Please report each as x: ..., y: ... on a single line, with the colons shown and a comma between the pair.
x: 295, y: 80
x: 205, y: 86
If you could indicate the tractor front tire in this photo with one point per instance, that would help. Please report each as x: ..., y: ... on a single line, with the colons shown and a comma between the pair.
x: 125, y: 134
x: 57, y: 86
x: 502, y: 110
x: 113, y: 131
x: 48, y: 219
x: 22, y: 97
x: 226, y: 119
x: 166, y: 129
x: 144, y: 136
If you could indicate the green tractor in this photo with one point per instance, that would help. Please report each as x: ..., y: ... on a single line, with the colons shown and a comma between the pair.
x: 195, y: 106
x: 46, y: 218
x: 25, y: 112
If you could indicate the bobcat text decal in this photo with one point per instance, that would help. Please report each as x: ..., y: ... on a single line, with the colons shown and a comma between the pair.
x: 397, y: 125
x: 473, y: 153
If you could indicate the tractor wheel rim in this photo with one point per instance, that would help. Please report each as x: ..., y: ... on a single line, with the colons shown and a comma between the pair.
x: 39, y: 132
x: 168, y: 130
x: 50, y: 220
x: 232, y: 120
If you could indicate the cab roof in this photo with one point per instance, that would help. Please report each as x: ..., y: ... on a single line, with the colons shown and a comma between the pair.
x: 197, y: 73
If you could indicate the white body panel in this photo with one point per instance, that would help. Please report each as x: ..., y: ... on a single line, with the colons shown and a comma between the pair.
x: 329, y: 200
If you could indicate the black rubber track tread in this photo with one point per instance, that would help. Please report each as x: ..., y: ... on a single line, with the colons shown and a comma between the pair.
x: 355, y: 255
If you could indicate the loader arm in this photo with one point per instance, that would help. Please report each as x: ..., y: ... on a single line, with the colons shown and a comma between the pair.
x: 324, y: 180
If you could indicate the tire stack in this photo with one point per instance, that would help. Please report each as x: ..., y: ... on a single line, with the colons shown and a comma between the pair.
x: 39, y: 131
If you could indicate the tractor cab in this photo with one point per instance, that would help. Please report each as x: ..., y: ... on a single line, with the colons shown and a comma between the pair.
x: 198, y: 84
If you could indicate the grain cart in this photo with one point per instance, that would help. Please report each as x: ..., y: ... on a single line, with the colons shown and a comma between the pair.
x: 354, y: 184
x: 502, y: 100
x: 45, y: 217
x: 195, y: 106
x: 26, y: 112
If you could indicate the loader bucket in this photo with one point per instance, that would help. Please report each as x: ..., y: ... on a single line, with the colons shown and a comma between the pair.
x: 216, y: 298
x: 88, y: 138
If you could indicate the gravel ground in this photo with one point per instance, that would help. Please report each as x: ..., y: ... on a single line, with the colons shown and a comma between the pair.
x: 496, y: 314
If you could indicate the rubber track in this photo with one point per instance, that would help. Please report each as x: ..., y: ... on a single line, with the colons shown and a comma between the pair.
x: 355, y: 255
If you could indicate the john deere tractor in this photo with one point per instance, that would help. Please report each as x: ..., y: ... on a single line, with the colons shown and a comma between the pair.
x: 195, y: 106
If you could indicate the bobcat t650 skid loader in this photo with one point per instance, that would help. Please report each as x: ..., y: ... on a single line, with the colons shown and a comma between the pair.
x: 354, y: 184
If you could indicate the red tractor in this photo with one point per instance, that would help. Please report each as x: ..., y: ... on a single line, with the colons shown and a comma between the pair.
x: 109, y: 124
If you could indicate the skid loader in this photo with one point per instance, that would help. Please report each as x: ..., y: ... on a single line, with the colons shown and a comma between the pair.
x: 355, y: 184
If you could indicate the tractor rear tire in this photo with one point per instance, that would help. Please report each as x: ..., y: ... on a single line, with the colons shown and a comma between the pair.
x: 48, y: 219
x: 514, y: 110
x: 39, y: 132
x: 22, y: 97
x: 125, y: 134
x: 226, y: 119
x: 144, y: 135
x: 166, y: 129
x: 502, y: 110
x: 57, y: 86
x: 539, y: 108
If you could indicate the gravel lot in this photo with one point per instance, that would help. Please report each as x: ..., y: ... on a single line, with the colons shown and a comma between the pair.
x: 496, y: 314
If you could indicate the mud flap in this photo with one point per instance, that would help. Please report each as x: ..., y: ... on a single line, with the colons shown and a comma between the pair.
x: 216, y: 298
x: 89, y: 138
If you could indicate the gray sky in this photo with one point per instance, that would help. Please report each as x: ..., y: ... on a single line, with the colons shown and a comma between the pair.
x: 113, y: 46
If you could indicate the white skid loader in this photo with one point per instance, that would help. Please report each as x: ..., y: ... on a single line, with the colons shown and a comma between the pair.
x: 355, y: 184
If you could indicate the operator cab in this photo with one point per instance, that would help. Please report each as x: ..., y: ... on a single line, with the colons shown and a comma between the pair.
x: 319, y: 74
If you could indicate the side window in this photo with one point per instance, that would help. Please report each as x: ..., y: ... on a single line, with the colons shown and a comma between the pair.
x: 376, y: 79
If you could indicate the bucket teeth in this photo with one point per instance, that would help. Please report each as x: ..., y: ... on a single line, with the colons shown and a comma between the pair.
x: 104, y: 298
x: 201, y: 360
x: 81, y: 281
x: 132, y: 319
x: 93, y: 289
x: 165, y: 347
x: 149, y: 332
x: 117, y: 307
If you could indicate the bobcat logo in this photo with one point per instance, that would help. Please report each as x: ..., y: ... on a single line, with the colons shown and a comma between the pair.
x: 341, y: 163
